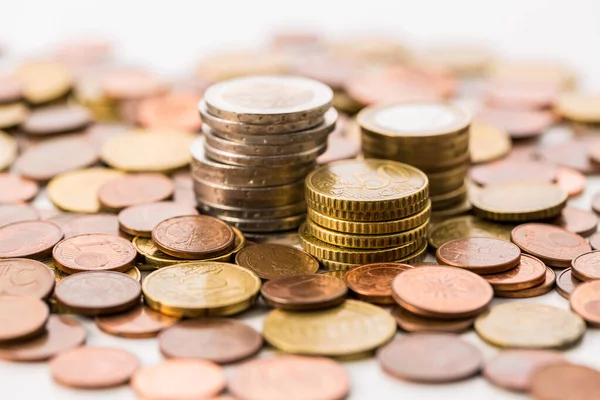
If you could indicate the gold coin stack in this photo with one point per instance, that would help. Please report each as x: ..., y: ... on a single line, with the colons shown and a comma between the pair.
x: 262, y: 136
x: 433, y: 137
x: 366, y: 211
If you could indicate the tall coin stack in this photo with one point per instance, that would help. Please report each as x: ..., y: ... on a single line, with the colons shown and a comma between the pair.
x: 366, y: 211
x: 262, y: 136
x: 433, y: 137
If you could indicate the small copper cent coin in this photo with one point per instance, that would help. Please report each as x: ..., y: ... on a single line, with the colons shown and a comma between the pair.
x: 534, y: 291
x: 132, y: 189
x: 26, y: 277
x: 139, y: 322
x: 21, y: 317
x: 15, y: 188
x: 56, y: 119
x: 107, y: 224
x: 585, y: 301
x: 566, y: 283
x: 430, y: 358
x: 304, y: 292
x: 141, y: 219
x: 373, y: 282
x: 414, y: 323
x: 595, y: 241
x: 528, y: 273
x: 578, y: 221
x: 479, y: 255
x: 586, y: 267
x: 10, y: 213
x: 565, y: 381
x: 30, y: 239
x: 269, y: 260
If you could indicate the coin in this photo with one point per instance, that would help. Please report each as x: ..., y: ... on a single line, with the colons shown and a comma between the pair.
x: 139, y: 322
x: 16, y: 189
x: 373, y: 282
x: 25, y: 277
x: 176, y: 110
x: 479, y: 255
x: 518, y: 123
x: 566, y: 283
x: 573, y: 154
x: 584, y: 300
x: 585, y: 266
x: 23, y: 317
x: 12, y: 115
x: 220, y: 340
x: 220, y: 210
x: 512, y: 171
x: 578, y: 221
x: 572, y: 181
x: 533, y: 72
x: 534, y: 291
x: 130, y: 84
x: 31, y: 239
x: 98, y: 292
x: 270, y: 261
x: 529, y: 325
x: 44, y: 81
x: 466, y: 227
x: 12, y: 213
x: 304, y: 292
x: 141, y: 219
x: 208, y: 289
x: 179, y: 379
x: 553, y: 245
x: 193, y: 237
x: 595, y: 241
x: 579, y: 107
x: 61, y: 334
x: 56, y: 119
x: 461, y: 59
x: 556, y: 381
x: 521, y: 95
x: 528, y: 273
x: 8, y: 150
x: 442, y: 292
x: 325, y: 332
x: 93, y: 367
x: 430, y: 358
x: 290, y: 377
x: 107, y: 224
x: 514, y: 369
x: 129, y: 190
x: 414, y: 323
x: 12, y: 89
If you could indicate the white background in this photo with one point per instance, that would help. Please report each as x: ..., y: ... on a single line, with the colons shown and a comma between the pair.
x: 171, y: 36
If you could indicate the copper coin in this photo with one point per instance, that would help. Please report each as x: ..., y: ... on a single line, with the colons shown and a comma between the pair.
x: 585, y: 301
x: 98, y: 134
x: 430, y: 358
x: 139, y: 322
x: 29, y: 239
x: 414, y: 323
x: 140, y: 220
x: 479, y: 255
x: 442, y: 292
x: 107, y: 224
x: 174, y: 110
x: 97, y: 293
x: 518, y: 123
x: 26, y: 277
x: 595, y: 241
x: 219, y: 340
x: 596, y: 203
x: 373, y: 282
x: 56, y: 119
x: 93, y: 367
x: 94, y: 252
x: 578, y: 221
x: 193, y: 237
x: 572, y: 181
x: 304, y: 292
x: 553, y: 245
x: 505, y: 171
x: 565, y: 381
x: 521, y: 95
x: 132, y: 189
x: 528, y: 273
x: 179, y: 379
x: 15, y: 188
x: 130, y: 84
x: 10, y: 213
x: 513, y: 369
x: 62, y: 333
x: 270, y: 260
x: 11, y: 89
x: 571, y: 154
x: 538, y: 290
x: 586, y: 267
x: 566, y: 283
x: 290, y: 377
x: 21, y: 317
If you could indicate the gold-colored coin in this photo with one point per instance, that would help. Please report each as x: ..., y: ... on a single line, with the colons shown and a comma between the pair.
x: 533, y: 72
x: 454, y: 211
x: 327, y: 332
x: 59, y: 275
x: 366, y: 186
x: 77, y: 191
x: 270, y: 261
x: 197, y: 289
x: 450, y: 199
x: 365, y: 241
x: 8, y: 150
x: 44, y: 81
x: 452, y: 179
x: 519, y: 201
x: 465, y: 227
x: 12, y: 115
x: 579, y: 107
x: 487, y: 143
x: 459, y: 58
x: 529, y: 325
x: 148, y: 150
x: 229, y: 65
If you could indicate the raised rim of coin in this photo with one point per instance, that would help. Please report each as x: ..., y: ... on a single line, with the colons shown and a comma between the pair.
x: 304, y: 292
x: 281, y: 260
x: 475, y: 254
x: 373, y: 282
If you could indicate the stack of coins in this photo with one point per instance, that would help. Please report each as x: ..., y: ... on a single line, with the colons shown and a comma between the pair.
x: 365, y: 211
x: 262, y: 137
x: 433, y: 137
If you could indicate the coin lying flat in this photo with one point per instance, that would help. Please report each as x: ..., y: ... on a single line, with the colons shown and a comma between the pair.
x: 56, y: 119
x: 595, y: 241
x: 25, y: 277
x: 8, y: 150
x: 464, y: 227
x: 487, y: 143
x: 270, y: 261
x: 107, y: 224
x: 373, y: 282
x: 15, y: 188
x: 506, y: 171
x: 534, y: 291
x: 528, y: 273
x: 479, y: 255
x: 566, y: 283
x: 31, y: 239
x: 579, y: 107
x: 585, y: 300
x: 414, y: 323
x: 578, y: 221
x: 571, y: 180
x: 304, y: 292
x: 557, y: 381
x: 175, y: 110
x: 11, y: 213
x: 132, y: 189
x: 586, y: 267
x: 141, y: 219
x: 139, y: 322
x: 44, y: 81
x: 23, y: 317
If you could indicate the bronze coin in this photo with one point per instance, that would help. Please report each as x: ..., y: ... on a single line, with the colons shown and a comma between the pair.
x: 585, y: 301
x: 98, y: 292
x: 578, y: 221
x: 139, y: 322
x: 479, y: 255
x: 518, y: 123
x: 565, y: 381
x: 566, y: 283
x: 93, y: 367
x: 62, y: 333
x: 513, y: 369
x: 572, y: 154
x: 270, y: 260
x: 132, y: 189
x: 414, y: 323
x: 586, y: 267
x: 290, y: 377
x: 505, y: 171
x: 22, y: 317
x: 193, y: 237
x: 553, y: 245
x: 11, y: 89
x: 538, y: 290
x: 30, y: 239
x: 572, y: 181
x: 442, y: 292
x: 373, y: 282
x: 56, y: 119
x: 528, y: 273
x: 430, y: 358
x: 304, y: 292
x: 11, y: 213
x: 16, y: 189
x: 130, y: 84
x: 26, y: 277
x: 595, y: 241
x: 521, y: 95
x: 140, y: 220
x: 179, y: 379
x: 107, y: 224
x: 596, y: 203
x: 176, y: 110
x: 219, y: 340
x: 94, y: 252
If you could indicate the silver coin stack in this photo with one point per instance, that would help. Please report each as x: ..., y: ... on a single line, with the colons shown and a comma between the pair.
x: 262, y: 136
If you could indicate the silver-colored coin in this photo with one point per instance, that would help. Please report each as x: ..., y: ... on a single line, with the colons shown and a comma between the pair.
x: 249, y: 213
x: 265, y: 225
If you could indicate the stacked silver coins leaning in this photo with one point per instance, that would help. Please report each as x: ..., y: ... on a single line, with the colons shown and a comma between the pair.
x: 262, y: 136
